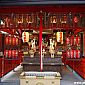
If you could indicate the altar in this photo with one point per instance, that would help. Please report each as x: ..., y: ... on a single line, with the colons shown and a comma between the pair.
x: 40, y: 78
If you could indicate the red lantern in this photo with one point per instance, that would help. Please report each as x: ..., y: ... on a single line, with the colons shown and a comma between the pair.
x: 16, y: 41
x: 9, y: 40
x: 75, y: 41
x: 13, y: 53
x: 9, y: 53
x: 16, y: 53
x: 7, y: 21
x: 20, y: 19
x: 6, y: 40
x: 5, y: 53
x: 75, y: 19
x: 67, y: 40
x: 71, y: 40
x: 77, y: 53
x: 72, y: 53
x: 68, y: 53
x: 13, y: 40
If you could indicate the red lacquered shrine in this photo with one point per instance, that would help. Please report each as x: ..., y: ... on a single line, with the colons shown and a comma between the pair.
x: 42, y: 37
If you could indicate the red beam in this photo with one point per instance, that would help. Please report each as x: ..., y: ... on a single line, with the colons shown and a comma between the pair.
x: 45, y: 8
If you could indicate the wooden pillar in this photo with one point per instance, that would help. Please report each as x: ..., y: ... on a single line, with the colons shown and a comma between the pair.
x: 40, y: 43
x: 84, y: 44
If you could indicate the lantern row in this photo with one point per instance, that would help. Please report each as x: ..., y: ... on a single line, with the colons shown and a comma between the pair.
x: 11, y: 47
x: 73, y: 47
x: 11, y: 54
x: 11, y: 41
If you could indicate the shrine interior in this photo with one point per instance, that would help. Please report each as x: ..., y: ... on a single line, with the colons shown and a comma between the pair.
x: 42, y: 42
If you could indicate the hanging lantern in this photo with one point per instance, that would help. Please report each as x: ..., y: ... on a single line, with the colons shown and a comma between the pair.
x: 29, y: 19
x: 67, y: 40
x: 9, y: 38
x: 7, y: 21
x: 6, y: 40
x: 53, y: 19
x: 13, y: 40
x: 13, y: 30
x: 68, y: 53
x: 76, y: 20
x: 20, y: 19
x: 16, y: 41
x: 64, y: 19
x: 9, y: 53
x: 60, y: 37
x: 25, y: 36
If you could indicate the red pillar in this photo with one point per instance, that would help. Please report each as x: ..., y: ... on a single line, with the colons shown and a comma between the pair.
x: 40, y: 43
x: 84, y: 43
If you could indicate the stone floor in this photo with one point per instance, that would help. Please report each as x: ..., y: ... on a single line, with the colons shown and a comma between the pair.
x: 68, y: 77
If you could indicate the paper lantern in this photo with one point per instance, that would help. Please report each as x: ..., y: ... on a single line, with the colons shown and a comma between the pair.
x: 25, y: 36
